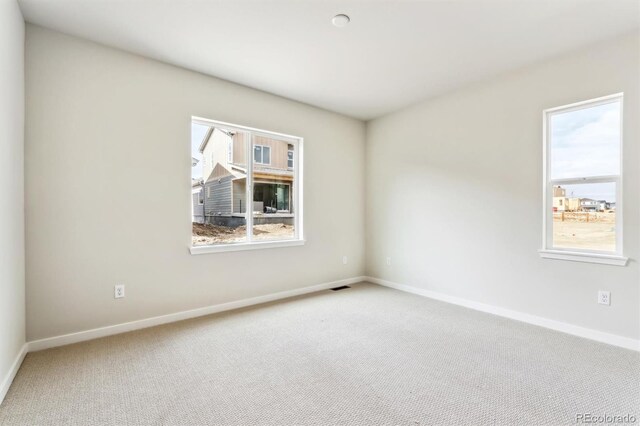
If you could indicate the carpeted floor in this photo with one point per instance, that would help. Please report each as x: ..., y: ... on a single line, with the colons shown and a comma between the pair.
x: 361, y: 356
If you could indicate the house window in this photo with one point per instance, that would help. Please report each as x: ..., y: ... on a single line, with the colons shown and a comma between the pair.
x: 230, y: 151
x: 582, y: 175
x: 262, y: 154
x: 200, y: 197
x: 249, y: 207
x: 290, y: 157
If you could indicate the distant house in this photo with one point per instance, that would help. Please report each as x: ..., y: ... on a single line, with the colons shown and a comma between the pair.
x: 587, y: 204
x: 563, y: 204
x: 559, y: 199
x: 197, y: 201
x: 224, y: 166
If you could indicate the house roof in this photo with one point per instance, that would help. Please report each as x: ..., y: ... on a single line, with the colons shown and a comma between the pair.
x: 207, y: 136
x: 205, y: 139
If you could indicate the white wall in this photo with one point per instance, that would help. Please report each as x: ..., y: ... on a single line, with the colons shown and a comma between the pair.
x: 108, y: 189
x: 12, y: 304
x: 454, y: 193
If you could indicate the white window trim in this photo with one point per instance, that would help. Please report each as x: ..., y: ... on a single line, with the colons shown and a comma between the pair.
x: 296, y: 192
x: 580, y: 255
x: 261, y: 162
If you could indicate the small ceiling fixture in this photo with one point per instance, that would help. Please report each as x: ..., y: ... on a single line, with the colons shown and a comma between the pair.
x: 340, y: 20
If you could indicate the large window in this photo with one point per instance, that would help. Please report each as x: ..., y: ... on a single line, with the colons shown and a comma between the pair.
x: 582, y: 181
x: 253, y: 201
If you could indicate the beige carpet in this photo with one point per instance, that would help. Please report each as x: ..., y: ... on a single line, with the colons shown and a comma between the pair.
x: 361, y: 356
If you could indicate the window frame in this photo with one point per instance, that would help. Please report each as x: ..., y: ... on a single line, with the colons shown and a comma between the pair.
x: 262, y: 148
x: 576, y: 254
x: 296, y: 190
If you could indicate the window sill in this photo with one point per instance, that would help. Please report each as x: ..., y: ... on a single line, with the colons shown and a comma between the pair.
x: 245, y: 246
x: 605, y: 259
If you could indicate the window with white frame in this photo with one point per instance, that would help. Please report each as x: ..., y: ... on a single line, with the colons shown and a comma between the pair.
x: 290, y: 157
x: 262, y: 154
x: 248, y: 206
x: 583, y: 181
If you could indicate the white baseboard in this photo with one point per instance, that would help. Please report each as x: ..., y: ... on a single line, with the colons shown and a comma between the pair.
x: 611, y: 339
x: 11, y: 374
x: 66, y: 339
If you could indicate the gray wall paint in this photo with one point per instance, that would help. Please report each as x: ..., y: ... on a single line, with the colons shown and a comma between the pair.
x: 101, y: 123
x: 454, y: 193
x: 12, y: 303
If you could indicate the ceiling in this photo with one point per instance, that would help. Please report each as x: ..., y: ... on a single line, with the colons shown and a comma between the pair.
x: 392, y: 54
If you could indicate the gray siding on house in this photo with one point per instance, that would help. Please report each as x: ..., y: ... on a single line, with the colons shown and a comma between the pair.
x: 217, y: 196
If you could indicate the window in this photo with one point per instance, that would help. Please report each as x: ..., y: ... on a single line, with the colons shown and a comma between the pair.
x: 290, y: 157
x: 262, y: 154
x: 200, y: 197
x: 583, y: 182
x: 248, y: 206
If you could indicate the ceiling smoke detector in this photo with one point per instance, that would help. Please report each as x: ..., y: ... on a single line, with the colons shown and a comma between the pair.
x: 340, y: 20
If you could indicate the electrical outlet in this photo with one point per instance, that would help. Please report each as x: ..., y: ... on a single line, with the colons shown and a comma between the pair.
x: 604, y: 297
x: 388, y: 261
x: 344, y: 260
x: 118, y: 291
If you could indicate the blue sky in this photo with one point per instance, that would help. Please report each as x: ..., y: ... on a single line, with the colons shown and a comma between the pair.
x: 197, y: 133
x: 586, y: 143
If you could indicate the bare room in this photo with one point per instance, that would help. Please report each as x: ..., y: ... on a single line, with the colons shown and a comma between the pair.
x: 306, y: 212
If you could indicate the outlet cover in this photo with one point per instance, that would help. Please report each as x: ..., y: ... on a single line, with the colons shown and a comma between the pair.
x: 345, y: 260
x: 118, y: 291
x: 604, y: 297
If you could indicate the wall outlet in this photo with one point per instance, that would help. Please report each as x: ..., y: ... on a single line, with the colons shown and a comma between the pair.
x: 388, y: 261
x: 118, y: 291
x: 604, y: 297
x: 345, y: 260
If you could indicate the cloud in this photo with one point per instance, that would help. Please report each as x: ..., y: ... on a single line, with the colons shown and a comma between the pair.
x: 586, y: 142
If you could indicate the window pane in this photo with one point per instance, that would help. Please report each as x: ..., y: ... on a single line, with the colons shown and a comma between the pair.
x: 273, y: 212
x: 257, y: 154
x: 266, y: 155
x: 584, y: 216
x: 290, y: 157
x: 585, y: 142
x: 221, y: 183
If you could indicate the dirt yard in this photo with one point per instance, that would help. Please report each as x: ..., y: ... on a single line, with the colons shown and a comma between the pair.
x: 204, y: 234
x: 575, y: 232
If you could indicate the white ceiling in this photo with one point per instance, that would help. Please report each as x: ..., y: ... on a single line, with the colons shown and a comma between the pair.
x: 392, y: 54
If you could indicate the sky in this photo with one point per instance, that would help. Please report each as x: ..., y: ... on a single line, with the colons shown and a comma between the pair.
x: 197, y: 134
x: 586, y: 143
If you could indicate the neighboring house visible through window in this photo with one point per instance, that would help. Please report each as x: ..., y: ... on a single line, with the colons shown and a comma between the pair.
x: 583, y: 181
x: 247, y: 202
